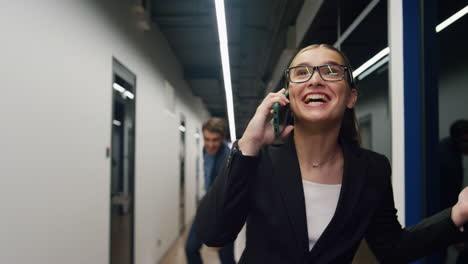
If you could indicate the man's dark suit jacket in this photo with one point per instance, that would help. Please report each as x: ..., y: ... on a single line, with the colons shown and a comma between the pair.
x: 267, y: 191
x: 219, y: 159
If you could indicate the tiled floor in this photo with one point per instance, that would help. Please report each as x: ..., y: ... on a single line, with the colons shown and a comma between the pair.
x: 120, y: 237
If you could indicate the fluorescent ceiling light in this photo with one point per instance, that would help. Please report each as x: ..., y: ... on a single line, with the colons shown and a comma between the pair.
x: 373, y: 68
x: 223, y: 46
x: 386, y: 51
x: 129, y: 94
x: 452, y: 19
x: 371, y: 62
x: 118, y: 87
x: 123, y: 91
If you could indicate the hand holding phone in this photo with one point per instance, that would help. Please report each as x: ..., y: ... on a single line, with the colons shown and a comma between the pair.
x: 281, y: 117
x: 260, y: 130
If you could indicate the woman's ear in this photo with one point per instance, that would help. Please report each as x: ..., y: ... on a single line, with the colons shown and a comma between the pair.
x: 352, y: 98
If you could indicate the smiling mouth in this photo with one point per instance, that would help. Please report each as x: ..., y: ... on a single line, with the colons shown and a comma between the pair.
x: 316, y: 99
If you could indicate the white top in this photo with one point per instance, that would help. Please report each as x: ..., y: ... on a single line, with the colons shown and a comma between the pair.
x: 320, y: 201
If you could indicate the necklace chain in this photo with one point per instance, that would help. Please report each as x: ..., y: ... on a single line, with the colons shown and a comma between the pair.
x: 319, y: 164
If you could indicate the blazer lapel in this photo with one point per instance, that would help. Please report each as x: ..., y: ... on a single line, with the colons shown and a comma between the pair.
x: 354, y: 173
x: 288, y: 178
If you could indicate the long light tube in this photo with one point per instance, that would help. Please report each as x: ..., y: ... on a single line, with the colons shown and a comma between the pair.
x: 123, y: 91
x: 129, y: 94
x: 371, y: 62
x: 223, y: 46
x: 385, y: 51
x: 118, y: 88
x: 452, y: 19
x: 373, y: 68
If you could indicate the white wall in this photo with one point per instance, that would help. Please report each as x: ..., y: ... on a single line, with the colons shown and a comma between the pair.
x: 56, y: 68
x: 374, y: 102
x: 377, y: 108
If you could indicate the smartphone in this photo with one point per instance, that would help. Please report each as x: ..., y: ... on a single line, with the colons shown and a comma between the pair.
x: 281, y: 117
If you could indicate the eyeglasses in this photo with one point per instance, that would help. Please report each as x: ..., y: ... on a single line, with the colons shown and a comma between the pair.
x: 328, y: 72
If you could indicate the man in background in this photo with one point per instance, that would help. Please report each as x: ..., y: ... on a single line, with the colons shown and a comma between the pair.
x: 451, y: 151
x: 215, y: 152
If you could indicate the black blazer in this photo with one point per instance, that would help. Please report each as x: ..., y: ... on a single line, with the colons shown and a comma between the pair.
x: 267, y: 191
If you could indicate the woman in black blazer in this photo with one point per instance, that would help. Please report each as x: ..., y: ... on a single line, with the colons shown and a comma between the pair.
x: 266, y: 183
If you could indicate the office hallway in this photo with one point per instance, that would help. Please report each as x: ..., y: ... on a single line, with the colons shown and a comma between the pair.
x: 103, y: 148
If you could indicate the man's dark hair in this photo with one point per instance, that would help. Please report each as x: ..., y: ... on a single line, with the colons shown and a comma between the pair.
x: 215, y: 125
x: 458, y: 129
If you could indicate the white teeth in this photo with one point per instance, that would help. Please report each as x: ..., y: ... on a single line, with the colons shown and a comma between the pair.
x: 311, y: 97
x: 315, y: 96
x: 315, y: 103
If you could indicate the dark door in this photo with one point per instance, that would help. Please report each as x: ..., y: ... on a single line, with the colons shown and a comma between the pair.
x: 182, y: 130
x: 122, y: 165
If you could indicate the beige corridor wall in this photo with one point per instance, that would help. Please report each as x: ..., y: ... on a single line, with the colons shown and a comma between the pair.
x: 56, y: 68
